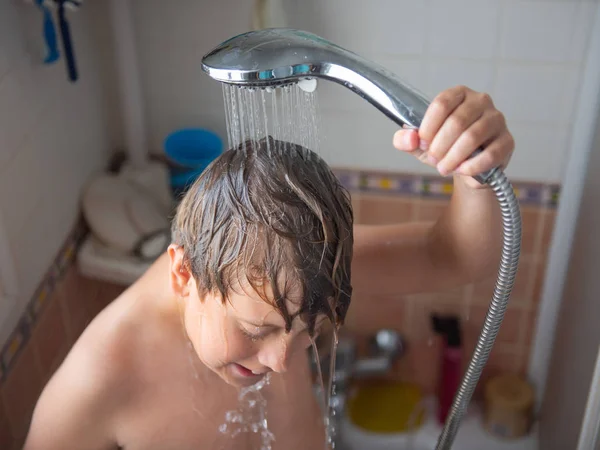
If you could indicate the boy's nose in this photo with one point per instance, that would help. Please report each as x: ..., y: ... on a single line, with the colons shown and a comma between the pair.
x: 276, y: 356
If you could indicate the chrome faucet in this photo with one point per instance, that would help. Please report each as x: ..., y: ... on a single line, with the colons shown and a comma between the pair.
x: 385, y: 348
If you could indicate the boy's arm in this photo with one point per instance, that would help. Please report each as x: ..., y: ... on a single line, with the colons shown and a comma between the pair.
x: 464, y: 244
x: 461, y: 247
x: 76, y: 408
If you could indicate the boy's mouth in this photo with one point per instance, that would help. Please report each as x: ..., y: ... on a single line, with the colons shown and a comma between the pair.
x: 244, y: 372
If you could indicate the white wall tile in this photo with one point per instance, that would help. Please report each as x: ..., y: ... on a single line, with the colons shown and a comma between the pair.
x: 538, y: 31
x: 13, y: 48
x: 396, y: 27
x: 584, y: 20
x: 53, y: 135
x: 364, y: 141
x: 13, y: 115
x: 570, y: 94
x: 540, y: 153
x: 444, y: 74
x: 530, y: 92
x: 465, y: 29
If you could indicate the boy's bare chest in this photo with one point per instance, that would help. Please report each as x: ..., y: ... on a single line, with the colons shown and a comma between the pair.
x: 184, y: 413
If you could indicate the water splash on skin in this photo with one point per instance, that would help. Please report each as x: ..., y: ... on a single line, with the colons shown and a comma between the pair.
x: 251, y: 415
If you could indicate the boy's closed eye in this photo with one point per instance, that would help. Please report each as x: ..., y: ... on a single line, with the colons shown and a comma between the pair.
x: 260, y: 332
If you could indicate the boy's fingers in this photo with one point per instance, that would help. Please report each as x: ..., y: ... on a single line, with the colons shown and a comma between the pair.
x: 406, y: 140
x: 440, y: 108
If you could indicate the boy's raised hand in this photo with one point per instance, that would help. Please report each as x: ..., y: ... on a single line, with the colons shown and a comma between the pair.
x: 458, y: 121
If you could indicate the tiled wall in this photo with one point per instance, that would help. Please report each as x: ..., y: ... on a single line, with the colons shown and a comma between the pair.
x: 527, y: 54
x: 53, y: 135
x: 382, y: 198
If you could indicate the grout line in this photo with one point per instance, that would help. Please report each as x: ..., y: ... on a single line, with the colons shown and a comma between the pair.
x: 409, y: 313
x: 468, y: 300
x: 535, y: 259
x: 496, y: 53
x: 357, y: 199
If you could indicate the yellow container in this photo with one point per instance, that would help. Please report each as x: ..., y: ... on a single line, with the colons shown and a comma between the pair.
x: 387, y: 407
x: 509, y: 403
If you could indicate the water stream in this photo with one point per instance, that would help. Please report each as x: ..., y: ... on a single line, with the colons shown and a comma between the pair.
x: 288, y: 114
x: 251, y: 414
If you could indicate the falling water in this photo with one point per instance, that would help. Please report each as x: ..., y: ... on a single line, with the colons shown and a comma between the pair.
x: 251, y: 415
x: 328, y: 412
x: 289, y: 114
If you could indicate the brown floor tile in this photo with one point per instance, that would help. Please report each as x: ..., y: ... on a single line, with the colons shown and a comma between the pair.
x: 367, y: 315
x: 20, y: 392
x: 355, y: 197
x: 383, y: 210
x: 421, y: 363
x: 510, y: 331
x: 501, y: 360
x: 549, y: 220
x: 530, y: 227
x: 523, y: 361
x: 6, y: 438
x: 522, y: 289
x: 529, y: 327
x: 49, y: 338
x: 80, y: 298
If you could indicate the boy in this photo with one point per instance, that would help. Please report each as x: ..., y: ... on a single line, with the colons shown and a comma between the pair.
x: 260, y: 261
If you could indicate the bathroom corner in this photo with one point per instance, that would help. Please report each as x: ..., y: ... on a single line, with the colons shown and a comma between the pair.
x: 57, y: 135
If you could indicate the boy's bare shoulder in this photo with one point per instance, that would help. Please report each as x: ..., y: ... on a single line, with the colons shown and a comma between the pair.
x: 84, y: 398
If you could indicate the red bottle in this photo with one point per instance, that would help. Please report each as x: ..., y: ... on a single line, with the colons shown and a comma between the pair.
x: 451, y: 367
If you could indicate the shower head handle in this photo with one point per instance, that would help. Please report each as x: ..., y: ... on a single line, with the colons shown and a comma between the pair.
x: 279, y: 56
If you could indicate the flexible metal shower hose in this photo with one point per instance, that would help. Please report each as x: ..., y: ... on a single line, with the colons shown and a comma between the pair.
x: 511, y: 248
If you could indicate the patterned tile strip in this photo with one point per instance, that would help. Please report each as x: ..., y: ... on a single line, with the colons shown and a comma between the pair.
x: 535, y: 194
x: 22, y: 332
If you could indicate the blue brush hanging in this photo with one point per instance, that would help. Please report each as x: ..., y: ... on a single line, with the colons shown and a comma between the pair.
x: 49, y: 34
x: 53, y: 53
x: 65, y: 33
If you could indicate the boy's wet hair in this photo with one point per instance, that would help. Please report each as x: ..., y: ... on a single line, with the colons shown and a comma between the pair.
x: 271, y: 212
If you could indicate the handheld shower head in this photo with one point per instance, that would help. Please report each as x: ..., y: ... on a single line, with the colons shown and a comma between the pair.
x: 280, y: 56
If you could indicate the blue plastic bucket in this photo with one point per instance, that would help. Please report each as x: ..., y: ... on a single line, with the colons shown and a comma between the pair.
x: 194, y: 148
x: 190, y: 150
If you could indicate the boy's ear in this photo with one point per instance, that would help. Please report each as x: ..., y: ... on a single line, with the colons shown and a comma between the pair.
x: 180, y: 276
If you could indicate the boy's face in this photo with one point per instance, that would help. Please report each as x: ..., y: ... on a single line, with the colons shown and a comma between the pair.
x: 243, y: 338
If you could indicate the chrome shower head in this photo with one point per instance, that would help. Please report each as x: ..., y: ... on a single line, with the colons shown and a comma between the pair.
x: 279, y: 56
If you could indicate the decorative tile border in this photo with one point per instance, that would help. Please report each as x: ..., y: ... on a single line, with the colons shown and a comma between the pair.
x: 22, y: 332
x: 544, y: 195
